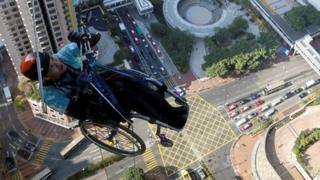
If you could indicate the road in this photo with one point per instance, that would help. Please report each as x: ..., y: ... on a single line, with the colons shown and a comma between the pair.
x: 254, y: 82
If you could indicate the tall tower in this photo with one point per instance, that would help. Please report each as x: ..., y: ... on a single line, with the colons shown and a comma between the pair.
x: 53, y: 20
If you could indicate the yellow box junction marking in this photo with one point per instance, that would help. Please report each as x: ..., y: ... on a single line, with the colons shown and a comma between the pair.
x: 205, y: 132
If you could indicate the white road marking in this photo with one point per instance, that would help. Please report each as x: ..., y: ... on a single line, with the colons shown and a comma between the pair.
x: 13, y: 147
x: 25, y: 133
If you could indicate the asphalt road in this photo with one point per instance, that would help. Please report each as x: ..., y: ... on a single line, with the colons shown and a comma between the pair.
x: 254, y: 82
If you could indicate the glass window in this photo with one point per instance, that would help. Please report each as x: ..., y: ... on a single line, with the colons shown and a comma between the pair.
x: 12, y: 3
x: 50, y: 5
x: 4, y: 6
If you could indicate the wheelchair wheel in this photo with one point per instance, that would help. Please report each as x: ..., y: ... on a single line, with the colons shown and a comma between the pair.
x: 123, y: 142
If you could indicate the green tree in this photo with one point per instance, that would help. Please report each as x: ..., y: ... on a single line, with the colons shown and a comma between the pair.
x: 121, y: 54
x: 220, y: 69
x: 238, y: 27
x: 222, y: 37
x: 301, y: 17
x: 159, y: 29
x: 134, y: 173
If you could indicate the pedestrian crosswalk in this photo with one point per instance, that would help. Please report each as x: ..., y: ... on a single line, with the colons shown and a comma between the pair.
x: 42, y: 152
x: 16, y: 176
x: 150, y: 161
x: 170, y: 83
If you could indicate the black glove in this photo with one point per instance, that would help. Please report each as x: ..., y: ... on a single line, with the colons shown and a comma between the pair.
x: 79, y: 38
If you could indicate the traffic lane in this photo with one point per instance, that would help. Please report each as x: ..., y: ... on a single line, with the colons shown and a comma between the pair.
x: 147, y: 52
x: 256, y: 81
x: 145, y: 67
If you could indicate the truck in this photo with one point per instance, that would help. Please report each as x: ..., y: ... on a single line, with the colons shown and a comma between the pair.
x: 122, y: 27
x: 309, y: 84
x: 7, y: 94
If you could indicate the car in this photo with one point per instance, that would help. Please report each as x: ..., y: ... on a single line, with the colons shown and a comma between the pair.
x: 136, y: 40
x: 134, y: 23
x: 131, y: 49
x: 244, y: 101
x: 10, y: 164
x: 24, y: 154
x: 232, y: 107
x: 154, y: 43
x: 132, y: 32
x: 264, y: 108
x: 129, y: 17
x: 245, y: 108
x: 149, y: 36
x: 163, y: 71
x: 179, y: 91
x: 254, y: 97
x: 252, y: 115
x: 143, y: 40
x: 152, y: 67
x: 13, y: 135
x: 159, y: 52
x: 245, y: 126
x: 304, y: 94
x: 297, y: 91
x: 288, y: 95
x: 201, y: 173
x: 234, y: 114
x: 30, y: 147
x: 259, y: 102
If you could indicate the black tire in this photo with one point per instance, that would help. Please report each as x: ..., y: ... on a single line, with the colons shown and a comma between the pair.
x: 138, y: 146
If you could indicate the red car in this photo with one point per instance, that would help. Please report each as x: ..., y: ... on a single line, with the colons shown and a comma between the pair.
x: 245, y: 126
x: 129, y: 17
x: 232, y: 107
x: 259, y: 102
x: 234, y: 114
x: 245, y: 108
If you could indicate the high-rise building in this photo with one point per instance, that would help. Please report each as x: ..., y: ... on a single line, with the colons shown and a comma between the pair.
x: 53, y: 19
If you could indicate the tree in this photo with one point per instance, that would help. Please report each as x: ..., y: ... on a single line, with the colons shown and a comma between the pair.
x: 134, y: 173
x: 121, y: 54
x: 301, y: 17
x: 238, y: 27
x: 222, y: 36
x: 220, y: 69
x: 159, y: 29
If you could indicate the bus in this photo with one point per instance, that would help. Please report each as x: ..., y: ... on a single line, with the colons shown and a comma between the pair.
x: 43, y: 175
x: 65, y: 152
x: 273, y: 87
x: 139, y: 31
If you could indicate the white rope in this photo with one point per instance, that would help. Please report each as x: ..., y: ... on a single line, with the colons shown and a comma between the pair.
x: 43, y: 107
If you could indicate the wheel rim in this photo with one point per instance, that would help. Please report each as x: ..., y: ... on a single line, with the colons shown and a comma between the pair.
x: 125, y: 142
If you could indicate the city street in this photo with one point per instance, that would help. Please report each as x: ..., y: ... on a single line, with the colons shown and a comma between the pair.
x: 255, y: 82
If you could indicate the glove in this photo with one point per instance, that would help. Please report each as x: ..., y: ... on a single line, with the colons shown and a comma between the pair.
x: 79, y: 38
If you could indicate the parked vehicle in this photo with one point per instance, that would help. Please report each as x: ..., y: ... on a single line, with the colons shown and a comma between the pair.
x: 244, y: 101
x: 259, y: 102
x: 201, y: 173
x: 7, y: 94
x: 232, y: 107
x: 234, y: 114
x: 270, y: 112
x: 252, y: 115
x: 30, y: 147
x: 245, y: 127
x: 10, y: 164
x: 241, y: 121
x: 264, y: 108
x: 245, y: 108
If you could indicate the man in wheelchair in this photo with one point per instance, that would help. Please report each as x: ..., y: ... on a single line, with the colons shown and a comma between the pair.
x: 61, y: 90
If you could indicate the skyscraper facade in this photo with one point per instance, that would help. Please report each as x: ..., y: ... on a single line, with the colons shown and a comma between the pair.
x: 50, y: 24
